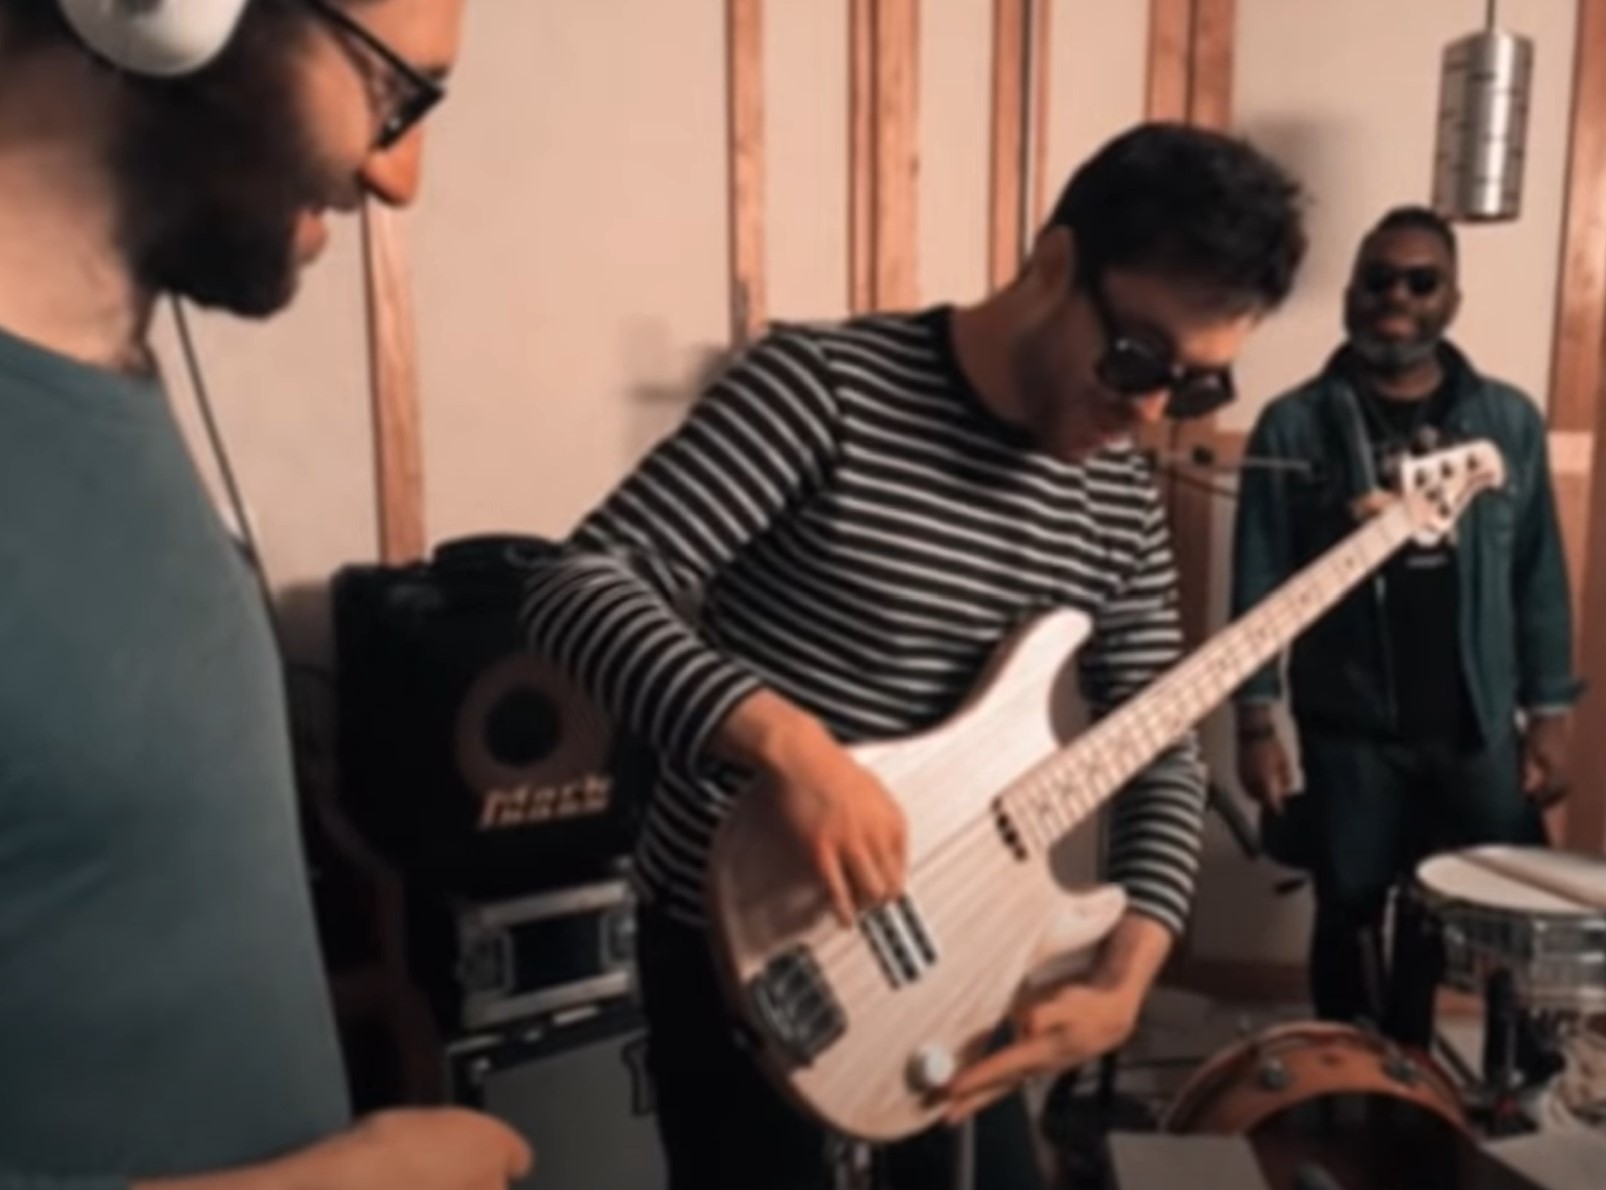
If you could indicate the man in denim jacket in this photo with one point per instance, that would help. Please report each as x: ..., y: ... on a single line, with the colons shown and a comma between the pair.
x: 1432, y: 704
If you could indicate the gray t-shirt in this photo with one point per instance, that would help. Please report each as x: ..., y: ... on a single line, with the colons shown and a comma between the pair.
x: 162, y: 1003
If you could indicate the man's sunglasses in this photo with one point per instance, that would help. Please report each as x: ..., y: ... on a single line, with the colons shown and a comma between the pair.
x: 1133, y: 367
x: 1420, y: 280
x: 416, y: 93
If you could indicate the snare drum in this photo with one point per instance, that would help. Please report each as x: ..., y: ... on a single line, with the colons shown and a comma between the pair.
x: 1369, y: 1113
x: 1535, y: 913
x: 1286, y: 1066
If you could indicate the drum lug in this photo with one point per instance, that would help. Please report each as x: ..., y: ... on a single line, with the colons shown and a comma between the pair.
x: 1401, y: 1071
x: 1272, y: 1075
x: 1396, y: 1065
x: 1399, y: 1067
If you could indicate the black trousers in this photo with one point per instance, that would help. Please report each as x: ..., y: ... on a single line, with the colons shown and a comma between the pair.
x: 1378, y: 809
x: 724, y: 1127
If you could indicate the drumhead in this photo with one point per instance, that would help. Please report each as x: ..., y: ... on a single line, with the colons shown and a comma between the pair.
x: 1456, y: 877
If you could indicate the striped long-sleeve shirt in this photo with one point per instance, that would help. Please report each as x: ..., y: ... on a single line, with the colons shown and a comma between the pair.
x: 840, y: 519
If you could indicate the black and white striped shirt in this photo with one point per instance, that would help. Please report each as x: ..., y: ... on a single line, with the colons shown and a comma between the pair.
x: 840, y: 519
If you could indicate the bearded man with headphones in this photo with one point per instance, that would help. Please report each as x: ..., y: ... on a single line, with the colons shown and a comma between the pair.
x: 163, y: 1011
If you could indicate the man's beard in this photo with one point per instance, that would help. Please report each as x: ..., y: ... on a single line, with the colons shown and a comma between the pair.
x: 1392, y: 356
x: 1389, y: 355
x: 214, y: 173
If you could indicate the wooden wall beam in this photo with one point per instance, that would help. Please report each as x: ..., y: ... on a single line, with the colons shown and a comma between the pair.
x: 1585, y: 826
x: 744, y: 47
x: 897, y: 173
x: 1041, y: 92
x: 1577, y: 392
x: 861, y: 155
x: 884, y: 165
x: 1191, y: 81
x: 1210, y: 80
x: 393, y: 388
x: 1008, y: 139
x: 1170, y: 51
x: 1576, y: 365
x: 1017, y: 191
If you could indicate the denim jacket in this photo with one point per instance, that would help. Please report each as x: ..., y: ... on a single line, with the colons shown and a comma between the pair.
x: 1515, y: 610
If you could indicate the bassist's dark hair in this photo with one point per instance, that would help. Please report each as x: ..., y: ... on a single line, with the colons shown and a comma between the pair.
x: 1194, y: 205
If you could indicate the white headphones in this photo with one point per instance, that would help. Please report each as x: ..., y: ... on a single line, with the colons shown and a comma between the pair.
x: 165, y: 38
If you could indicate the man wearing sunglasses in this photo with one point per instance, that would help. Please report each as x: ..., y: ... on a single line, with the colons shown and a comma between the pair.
x: 1432, y: 704
x: 163, y: 1008
x: 861, y: 512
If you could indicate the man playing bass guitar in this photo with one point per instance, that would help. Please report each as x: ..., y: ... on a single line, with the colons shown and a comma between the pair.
x: 829, y: 549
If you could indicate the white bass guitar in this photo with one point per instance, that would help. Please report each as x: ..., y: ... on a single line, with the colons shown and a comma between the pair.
x: 862, y: 1025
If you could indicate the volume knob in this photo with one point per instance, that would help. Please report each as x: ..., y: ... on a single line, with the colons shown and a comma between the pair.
x: 932, y: 1068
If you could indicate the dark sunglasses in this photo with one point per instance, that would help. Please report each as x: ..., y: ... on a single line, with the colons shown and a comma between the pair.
x: 417, y: 93
x: 1421, y: 280
x: 1133, y: 367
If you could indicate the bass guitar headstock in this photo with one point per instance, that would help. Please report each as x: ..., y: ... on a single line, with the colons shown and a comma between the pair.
x: 1437, y: 487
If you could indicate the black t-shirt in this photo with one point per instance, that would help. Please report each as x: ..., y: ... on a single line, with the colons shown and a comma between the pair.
x: 1422, y: 593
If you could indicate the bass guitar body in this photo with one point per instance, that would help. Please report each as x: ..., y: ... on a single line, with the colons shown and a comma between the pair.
x: 864, y: 1023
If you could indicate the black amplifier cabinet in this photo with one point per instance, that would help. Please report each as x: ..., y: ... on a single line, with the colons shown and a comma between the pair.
x: 473, y: 764
x: 575, y: 1085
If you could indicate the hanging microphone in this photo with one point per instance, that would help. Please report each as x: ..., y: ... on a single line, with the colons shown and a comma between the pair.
x: 1485, y: 83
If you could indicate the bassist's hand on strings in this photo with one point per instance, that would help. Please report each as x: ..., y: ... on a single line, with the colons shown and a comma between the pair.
x: 851, y: 830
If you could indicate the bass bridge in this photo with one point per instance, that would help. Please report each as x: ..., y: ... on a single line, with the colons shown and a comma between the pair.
x: 795, y: 1006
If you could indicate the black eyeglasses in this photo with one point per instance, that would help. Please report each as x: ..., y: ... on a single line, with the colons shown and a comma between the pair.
x: 417, y: 93
x: 1133, y: 367
x: 1421, y: 280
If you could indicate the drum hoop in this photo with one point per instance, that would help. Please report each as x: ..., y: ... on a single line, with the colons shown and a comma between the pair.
x: 1222, y: 1068
x: 1425, y: 890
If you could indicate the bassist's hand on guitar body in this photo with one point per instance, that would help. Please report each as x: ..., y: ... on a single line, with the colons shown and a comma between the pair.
x: 1069, y: 1024
x: 849, y: 827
